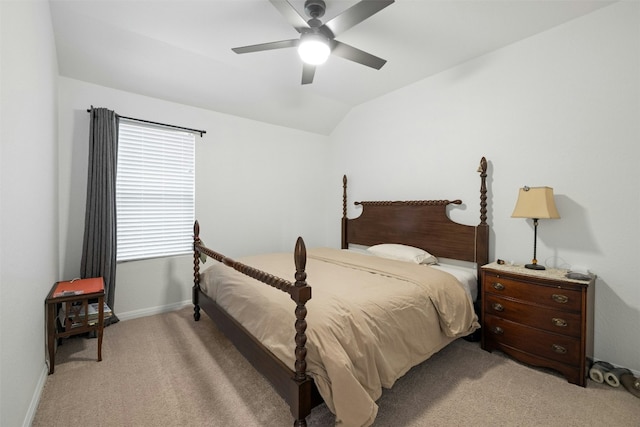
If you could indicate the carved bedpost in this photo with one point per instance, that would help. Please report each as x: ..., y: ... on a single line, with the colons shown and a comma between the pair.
x: 301, y: 293
x: 482, y: 238
x: 196, y: 270
x: 344, y: 212
x: 483, y: 190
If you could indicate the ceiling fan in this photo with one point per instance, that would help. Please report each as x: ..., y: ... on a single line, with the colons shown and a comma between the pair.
x: 317, y: 40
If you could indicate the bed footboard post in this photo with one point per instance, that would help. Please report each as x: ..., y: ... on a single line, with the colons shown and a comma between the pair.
x: 196, y: 271
x: 301, y: 293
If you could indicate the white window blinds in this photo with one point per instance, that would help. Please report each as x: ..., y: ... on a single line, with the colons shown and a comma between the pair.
x: 155, y: 191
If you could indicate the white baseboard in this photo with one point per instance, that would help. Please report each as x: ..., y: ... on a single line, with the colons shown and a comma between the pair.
x: 35, y: 400
x: 128, y: 315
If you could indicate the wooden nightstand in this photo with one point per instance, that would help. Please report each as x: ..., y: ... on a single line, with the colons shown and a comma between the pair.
x: 539, y: 317
x: 73, y: 297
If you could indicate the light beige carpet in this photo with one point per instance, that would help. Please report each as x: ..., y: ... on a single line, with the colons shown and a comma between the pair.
x: 167, y: 370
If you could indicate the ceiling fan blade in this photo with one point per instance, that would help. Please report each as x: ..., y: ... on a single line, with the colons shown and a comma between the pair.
x: 356, y: 55
x: 308, y: 71
x: 356, y: 14
x: 267, y: 46
x: 291, y: 14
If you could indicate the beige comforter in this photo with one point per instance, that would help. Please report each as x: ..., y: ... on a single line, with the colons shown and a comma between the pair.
x: 369, y: 320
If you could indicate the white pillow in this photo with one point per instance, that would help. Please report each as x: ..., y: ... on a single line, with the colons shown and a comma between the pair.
x: 403, y: 253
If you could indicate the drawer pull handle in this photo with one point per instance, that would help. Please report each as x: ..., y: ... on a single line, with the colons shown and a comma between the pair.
x: 497, y: 307
x: 559, y: 298
x: 559, y: 349
x: 497, y: 330
x: 559, y: 322
x: 498, y: 286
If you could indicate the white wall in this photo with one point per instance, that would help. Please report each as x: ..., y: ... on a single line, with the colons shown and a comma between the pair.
x: 258, y: 187
x: 28, y: 203
x: 560, y: 109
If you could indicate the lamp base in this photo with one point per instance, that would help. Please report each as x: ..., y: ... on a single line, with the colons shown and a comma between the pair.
x: 535, y: 267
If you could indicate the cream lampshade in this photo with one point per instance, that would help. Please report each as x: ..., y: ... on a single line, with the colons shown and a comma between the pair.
x: 535, y: 203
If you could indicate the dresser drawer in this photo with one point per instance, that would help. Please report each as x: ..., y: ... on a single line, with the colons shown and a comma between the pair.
x: 550, y: 296
x: 552, y: 346
x: 549, y: 319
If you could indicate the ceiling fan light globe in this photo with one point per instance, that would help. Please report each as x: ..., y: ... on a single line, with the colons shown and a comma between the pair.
x: 314, y: 49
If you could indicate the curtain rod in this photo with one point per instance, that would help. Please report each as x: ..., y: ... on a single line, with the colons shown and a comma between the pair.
x: 201, y: 132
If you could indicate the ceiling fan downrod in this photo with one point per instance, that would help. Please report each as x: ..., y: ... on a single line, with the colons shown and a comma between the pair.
x: 315, y: 8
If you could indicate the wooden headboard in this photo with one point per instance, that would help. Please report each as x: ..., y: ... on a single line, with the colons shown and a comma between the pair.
x: 421, y: 223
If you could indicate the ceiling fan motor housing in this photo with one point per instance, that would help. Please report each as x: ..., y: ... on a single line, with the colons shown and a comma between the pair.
x: 315, y: 8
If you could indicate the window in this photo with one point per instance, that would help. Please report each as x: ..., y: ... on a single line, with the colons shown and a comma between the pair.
x: 155, y: 191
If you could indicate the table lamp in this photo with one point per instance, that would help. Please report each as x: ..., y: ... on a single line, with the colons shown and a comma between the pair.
x: 535, y: 203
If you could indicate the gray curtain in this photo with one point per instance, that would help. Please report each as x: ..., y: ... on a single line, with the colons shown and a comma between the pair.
x: 99, y: 245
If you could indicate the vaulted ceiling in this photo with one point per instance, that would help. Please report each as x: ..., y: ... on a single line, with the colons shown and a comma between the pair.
x: 180, y: 50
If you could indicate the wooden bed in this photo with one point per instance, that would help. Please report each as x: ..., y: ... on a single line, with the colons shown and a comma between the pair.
x: 423, y: 224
